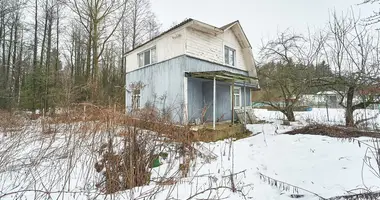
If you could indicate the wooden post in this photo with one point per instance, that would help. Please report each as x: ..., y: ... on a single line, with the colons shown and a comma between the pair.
x: 233, y: 102
x: 214, y: 104
x: 245, y: 104
x: 84, y: 112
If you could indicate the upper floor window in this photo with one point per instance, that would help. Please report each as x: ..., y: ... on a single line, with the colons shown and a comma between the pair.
x: 229, y: 56
x: 147, y: 57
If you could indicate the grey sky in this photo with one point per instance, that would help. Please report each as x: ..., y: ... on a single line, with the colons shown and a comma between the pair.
x: 261, y: 19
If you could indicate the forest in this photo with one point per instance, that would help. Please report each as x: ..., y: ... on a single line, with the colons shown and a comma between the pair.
x: 57, y: 52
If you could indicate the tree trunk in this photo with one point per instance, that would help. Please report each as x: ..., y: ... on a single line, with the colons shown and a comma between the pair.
x: 48, y: 60
x: 2, y: 68
x: 44, y: 36
x: 19, y: 71
x: 95, y: 55
x: 289, y: 114
x: 349, y: 109
x: 35, y: 56
x: 134, y: 25
x: 15, y: 64
x: 123, y: 58
x: 10, y: 52
x: 89, y: 44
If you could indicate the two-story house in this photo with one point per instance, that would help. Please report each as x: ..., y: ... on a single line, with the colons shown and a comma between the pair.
x: 194, y: 70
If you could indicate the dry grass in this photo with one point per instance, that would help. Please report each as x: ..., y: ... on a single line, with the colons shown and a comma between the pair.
x: 123, y: 146
x: 222, y: 131
x: 101, y: 147
x: 334, y: 131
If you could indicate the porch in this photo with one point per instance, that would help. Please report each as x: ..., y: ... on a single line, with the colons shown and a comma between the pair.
x: 213, y: 96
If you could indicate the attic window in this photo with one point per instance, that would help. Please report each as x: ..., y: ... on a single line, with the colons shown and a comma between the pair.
x: 229, y: 56
x: 147, y: 57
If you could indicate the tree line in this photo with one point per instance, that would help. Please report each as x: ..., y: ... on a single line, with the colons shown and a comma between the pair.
x: 57, y: 52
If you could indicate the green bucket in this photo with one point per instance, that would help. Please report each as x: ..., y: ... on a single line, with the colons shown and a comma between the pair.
x: 156, y: 162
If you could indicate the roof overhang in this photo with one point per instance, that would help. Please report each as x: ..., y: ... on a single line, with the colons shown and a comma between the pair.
x: 206, y: 27
x: 242, y: 37
x: 224, y: 76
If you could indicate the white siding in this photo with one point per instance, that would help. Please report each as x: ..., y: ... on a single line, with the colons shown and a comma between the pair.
x: 231, y: 41
x: 194, y: 43
x: 204, y: 45
x: 167, y: 47
x: 210, y: 47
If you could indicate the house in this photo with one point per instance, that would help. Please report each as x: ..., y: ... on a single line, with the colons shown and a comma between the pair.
x: 195, y: 71
x: 320, y: 99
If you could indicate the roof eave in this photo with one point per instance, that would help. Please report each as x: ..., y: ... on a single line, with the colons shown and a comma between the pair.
x: 176, y: 27
x: 207, y: 27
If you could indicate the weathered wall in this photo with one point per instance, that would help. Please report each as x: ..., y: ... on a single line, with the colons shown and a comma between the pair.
x: 161, y: 79
x: 167, y: 79
x: 210, y: 47
x: 195, y: 98
x: 167, y: 47
x: 223, y: 100
x: 231, y: 41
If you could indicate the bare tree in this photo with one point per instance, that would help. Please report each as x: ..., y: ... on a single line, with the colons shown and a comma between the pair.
x: 142, y: 21
x: 288, y: 71
x: 375, y: 17
x: 353, y: 52
x: 98, y: 16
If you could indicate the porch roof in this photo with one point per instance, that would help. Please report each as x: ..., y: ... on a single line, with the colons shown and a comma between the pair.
x: 220, y: 75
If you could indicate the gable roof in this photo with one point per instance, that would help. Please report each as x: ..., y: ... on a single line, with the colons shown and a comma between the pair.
x: 229, y: 25
x: 187, y: 21
x: 162, y: 34
x: 236, y: 25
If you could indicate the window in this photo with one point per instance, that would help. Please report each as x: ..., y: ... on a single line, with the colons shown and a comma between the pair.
x: 237, y: 97
x: 229, y: 56
x: 147, y: 57
x: 136, y: 99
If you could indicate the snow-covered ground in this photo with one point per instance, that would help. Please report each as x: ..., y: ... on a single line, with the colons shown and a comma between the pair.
x: 314, y: 164
x: 325, y: 116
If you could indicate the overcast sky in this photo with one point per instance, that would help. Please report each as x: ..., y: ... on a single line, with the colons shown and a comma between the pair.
x: 261, y: 19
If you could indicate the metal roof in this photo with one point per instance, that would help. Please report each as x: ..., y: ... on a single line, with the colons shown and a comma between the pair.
x: 222, y: 75
x: 223, y: 28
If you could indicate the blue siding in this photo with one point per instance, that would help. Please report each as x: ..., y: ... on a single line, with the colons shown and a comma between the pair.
x: 223, y: 100
x: 194, y: 98
x: 197, y: 65
x: 166, y: 79
x: 163, y: 79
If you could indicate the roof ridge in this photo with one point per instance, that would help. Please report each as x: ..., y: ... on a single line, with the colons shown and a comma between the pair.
x: 187, y: 20
x: 228, y: 25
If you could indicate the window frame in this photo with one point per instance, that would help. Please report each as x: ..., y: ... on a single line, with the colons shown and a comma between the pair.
x: 152, y: 57
x: 229, y: 49
x: 234, y: 96
x: 136, y: 95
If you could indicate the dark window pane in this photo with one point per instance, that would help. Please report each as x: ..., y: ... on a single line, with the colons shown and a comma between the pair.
x: 226, y: 55
x: 147, y: 58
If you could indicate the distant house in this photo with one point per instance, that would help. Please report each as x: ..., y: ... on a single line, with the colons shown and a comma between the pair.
x: 194, y: 68
x: 320, y: 99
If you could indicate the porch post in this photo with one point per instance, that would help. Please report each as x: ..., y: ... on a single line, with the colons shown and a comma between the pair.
x: 245, y: 104
x: 233, y: 101
x: 185, y: 102
x: 213, y: 105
